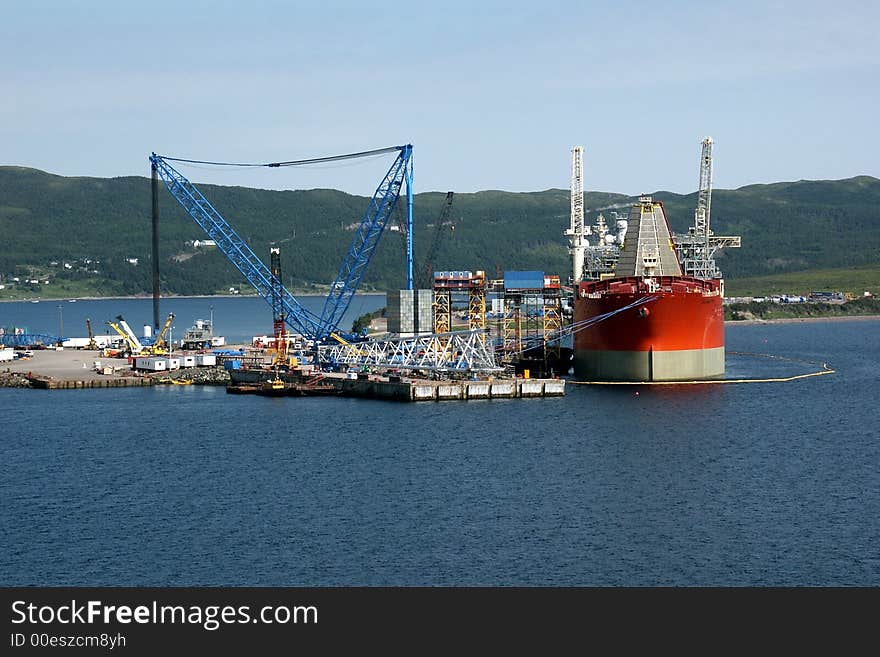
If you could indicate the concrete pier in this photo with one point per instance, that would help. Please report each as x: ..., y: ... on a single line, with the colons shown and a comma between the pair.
x: 404, y: 389
x: 70, y: 370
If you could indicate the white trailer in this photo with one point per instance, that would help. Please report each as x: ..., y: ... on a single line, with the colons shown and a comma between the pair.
x: 151, y: 363
x: 206, y: 360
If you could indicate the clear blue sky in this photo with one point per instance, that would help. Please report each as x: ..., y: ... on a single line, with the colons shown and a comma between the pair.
x: 493, y: 95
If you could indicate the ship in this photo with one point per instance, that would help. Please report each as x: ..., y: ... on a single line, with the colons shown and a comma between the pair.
x: 648, y: 303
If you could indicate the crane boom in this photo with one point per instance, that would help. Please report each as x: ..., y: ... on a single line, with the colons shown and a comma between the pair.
x: 160, y: 345
x: 696, y: 249
x: 365, y: 241
x: 233, y: 246
x: 124, y: 330
x: 702, y: 214
x: 258, y: 274
x: 425, y: 271
x: 92, y: 344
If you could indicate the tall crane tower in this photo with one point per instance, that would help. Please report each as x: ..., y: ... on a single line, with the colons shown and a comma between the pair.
x: 425, y: 274
x: 279, y: 315
x: 577, y: 232
x: 696, y: 250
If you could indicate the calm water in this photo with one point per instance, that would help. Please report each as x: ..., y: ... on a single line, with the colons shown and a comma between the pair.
x: 238, y: 319
x: 752, y: 484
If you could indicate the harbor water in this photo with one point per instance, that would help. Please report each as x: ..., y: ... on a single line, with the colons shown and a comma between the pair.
x: 741, y: 484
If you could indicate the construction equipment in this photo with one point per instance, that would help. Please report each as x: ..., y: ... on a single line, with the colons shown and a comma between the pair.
x: 133, y: 345
x: 426, y: 270
x: 354, y: 264
x: 279, y: 324
x: 160, y: 346
x: 92, y: 345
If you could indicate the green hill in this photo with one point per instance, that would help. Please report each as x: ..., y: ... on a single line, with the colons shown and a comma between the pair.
x: 80, y: 233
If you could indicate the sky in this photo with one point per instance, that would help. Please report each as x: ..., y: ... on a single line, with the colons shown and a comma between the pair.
x: 493, y: 95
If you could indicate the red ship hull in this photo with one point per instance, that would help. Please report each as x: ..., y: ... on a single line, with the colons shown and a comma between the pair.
x: 671, y: 330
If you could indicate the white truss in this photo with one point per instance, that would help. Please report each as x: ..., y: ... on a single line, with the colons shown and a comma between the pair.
x: 461, y: 351
x: 697, y: 249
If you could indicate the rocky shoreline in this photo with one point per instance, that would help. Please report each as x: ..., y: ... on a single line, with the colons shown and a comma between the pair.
x: 14, y: 380
x: 796, y: 320
x: 204, y: 376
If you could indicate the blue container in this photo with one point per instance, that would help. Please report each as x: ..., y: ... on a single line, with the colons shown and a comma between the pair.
x: 523, y: 280
x: 232, y: 364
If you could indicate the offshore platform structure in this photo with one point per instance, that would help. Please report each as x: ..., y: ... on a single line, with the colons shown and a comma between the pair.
x: 448, y: 286
x: 323, y: 328
x: 696, y: 250
x: 531, y: 325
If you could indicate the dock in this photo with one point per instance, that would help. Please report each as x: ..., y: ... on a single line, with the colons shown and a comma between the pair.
x: 68, y: 370
x: 50, y: 383
x: 374, y: 386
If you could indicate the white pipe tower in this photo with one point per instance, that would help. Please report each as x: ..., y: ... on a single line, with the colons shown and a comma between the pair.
x: 577, y: 232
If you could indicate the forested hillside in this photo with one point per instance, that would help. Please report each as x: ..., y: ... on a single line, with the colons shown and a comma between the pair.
x: 83, y: 235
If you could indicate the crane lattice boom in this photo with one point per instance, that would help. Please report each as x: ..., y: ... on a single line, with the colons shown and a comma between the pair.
x: 254, y: 269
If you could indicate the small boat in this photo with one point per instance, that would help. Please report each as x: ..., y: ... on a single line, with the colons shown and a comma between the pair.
x: 273, y: 387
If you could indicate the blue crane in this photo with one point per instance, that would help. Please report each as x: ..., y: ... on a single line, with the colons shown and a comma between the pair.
x: 354, y: 264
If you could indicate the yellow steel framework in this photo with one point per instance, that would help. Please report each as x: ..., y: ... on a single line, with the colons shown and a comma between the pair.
x: 477, y: 308
x: 442, y: 310
x: 511, y: 337
x: 552, y: 324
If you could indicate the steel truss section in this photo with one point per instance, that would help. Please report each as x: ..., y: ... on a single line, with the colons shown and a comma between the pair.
x: 442, y: 311
x: 366, y: 240
x: 477, y: 308
x: 28, y: 339
x: 462, y: 351
x: 257, y: 273
x: 234, y: 247
x: 511, y: 337
x: 552, y: 323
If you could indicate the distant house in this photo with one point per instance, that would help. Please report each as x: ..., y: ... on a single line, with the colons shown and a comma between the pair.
x: 132, y: 261
x: 203, y: 243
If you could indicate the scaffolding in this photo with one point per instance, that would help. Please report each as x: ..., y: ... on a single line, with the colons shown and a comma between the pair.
x: 532, y: 314
x: 442, y: 308
x: 462, y: 287
x: 477, y: 307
